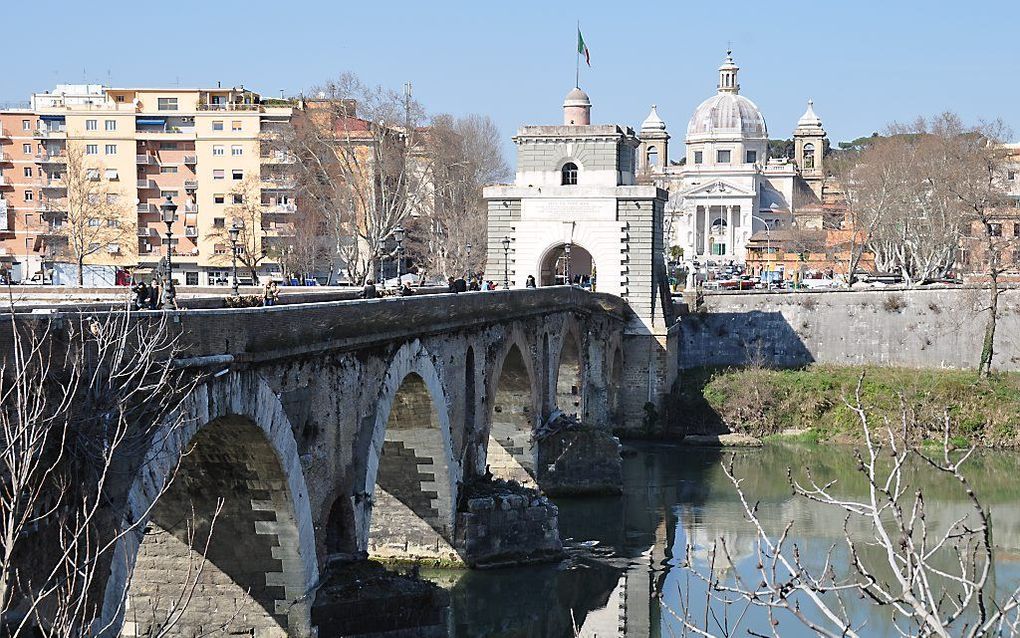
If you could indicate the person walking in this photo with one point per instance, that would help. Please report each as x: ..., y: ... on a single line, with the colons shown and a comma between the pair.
x: 141, y: 295
x: 530, y: 282
x: 369, y: 291
x: 270, y: 293
x: 154, y: 290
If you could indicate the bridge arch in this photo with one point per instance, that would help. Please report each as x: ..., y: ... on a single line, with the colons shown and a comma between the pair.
x: 513, y: 411
x: 407, y: 503
x: 555, y: 263
x: 239, y: 448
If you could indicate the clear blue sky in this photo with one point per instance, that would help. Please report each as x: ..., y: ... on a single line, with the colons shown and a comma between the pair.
x: 864, y: 63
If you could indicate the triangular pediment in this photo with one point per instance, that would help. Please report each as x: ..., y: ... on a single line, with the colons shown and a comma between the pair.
x: 719, y: 188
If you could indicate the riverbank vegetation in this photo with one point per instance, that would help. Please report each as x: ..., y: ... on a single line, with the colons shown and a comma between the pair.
x: 764, y: 402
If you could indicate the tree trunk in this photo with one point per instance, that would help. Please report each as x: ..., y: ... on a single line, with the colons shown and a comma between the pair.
x: 988, y: 344
x: 81, y: 271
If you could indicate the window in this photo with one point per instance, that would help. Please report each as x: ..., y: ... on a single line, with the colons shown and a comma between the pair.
x: 191, y: 279
x: 1016, y: 230
x: 172, y: 194
x: 217, y: 150
x: 93, y: 222
x: 28, y: 196
x: 750, y: 157
x: 28, y: 219
x: 219, y: 198
x: 28, y: 171
x: 219, y: 249
x: 218, y: 173
x: 722, y: 157
x: 718, y: 249
x: 111, y: 149
x: 995, y: 229
x: 113, y: 223
x: 237, y: 198
x: 26, y: 125
x: 809, y: 155
x: 91, y: 125
x: 111, y: 125
x: 120, y: 98
x: 92, y: 174
x: 569, y: 174
x: 112, y: 175
x: 699, y: 157
x: 235, y: 125
x: 237, y: 174
x: 217, y: 125
x: 167, y: 104
x: 236, y: 150
x: 112, y: 198
x: 26, y: 149
x: 92, y: 149
x: 164, y: 170
x: 168, y: 146
x: 219, y: 222
x: 652, y: 156
x: 1011, y: 175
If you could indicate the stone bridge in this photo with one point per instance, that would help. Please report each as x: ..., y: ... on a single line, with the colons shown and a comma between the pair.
x: 339, y: 428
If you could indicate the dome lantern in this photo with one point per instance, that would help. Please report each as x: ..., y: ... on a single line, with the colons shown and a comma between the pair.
x: 728, y: 75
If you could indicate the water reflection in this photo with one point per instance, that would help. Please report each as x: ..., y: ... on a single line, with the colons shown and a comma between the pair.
x: 673, y: 495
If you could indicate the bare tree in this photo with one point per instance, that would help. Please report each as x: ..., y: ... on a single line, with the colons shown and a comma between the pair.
x: 361, y: 167
x: 465, y: 156
x: 932, y: 580
x: 247, y: 212
x: 79, y: 399
x: 91, y: 218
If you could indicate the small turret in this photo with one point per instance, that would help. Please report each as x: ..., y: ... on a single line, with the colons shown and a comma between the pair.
x: 577, y: 108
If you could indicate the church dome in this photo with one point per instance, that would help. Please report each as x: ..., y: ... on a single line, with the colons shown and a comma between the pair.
x: 653, y: 122
x: 577, y: 97
x: 727, y: 114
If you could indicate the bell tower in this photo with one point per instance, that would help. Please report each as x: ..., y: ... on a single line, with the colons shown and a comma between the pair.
x: 653, y: 152
x: 809, y: 147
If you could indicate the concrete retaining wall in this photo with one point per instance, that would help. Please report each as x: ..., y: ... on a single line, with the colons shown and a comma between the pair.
x: 922, y: 328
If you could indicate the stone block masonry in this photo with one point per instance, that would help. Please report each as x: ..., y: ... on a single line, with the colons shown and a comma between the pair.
x: 502, y: 523
x: 915, y: 328
x: 580, y: 461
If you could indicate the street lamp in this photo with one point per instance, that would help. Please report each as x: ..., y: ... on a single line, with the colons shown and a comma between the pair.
x: 398, y: 234
x: 467, y: 266
x: 169, y: 212
x: 506, y: 263
x: 566, y: 266
x: 234, y: 231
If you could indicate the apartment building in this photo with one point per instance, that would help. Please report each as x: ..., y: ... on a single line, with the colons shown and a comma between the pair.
x: 200, y: 147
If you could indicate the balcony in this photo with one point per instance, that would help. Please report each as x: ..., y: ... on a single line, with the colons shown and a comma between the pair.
x: 53, y: 231
x: 278, y: 183
x: 144, y: 209
x: 229, y: 107
x: 4, y: 181
x: 191, y: 231
x: 278, y: 158
x: 147, y: 184
x: 50, y: 209
x: 191, y: 184
x: 145, y: 160
x: 51, y: 158
x: 4, y: 133
x: 191, y: 159
x: 5, y: 158
x: 145, y: 231
x: 164, y: 133
x: 50, y: 132
x: 52, y: 183
x: 190, y: 209
x: 281, y: 209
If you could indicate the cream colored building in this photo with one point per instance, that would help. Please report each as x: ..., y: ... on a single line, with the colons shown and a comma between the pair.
x: 202, y: 147
x: 727, y: 187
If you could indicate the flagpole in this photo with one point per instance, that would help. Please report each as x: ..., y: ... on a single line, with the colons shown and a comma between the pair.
x: 577, y: 58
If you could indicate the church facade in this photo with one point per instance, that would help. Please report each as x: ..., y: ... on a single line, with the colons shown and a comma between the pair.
x: 727, y: 188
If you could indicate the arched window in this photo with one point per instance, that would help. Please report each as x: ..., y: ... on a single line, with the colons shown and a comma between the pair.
x: 809, y: 155
x: 652, y: 156
x: 569, y: 174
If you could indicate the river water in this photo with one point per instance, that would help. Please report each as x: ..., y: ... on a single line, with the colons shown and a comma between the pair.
x: 674, y: 495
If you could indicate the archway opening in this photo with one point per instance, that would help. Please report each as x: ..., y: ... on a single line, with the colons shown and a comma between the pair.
x: 511, y: 451
x: 561, y: 268
x: 412, y: 501
x: 568, y: 376
x: 252, y: 570
x: 340, y: 532
x: 469, y: 391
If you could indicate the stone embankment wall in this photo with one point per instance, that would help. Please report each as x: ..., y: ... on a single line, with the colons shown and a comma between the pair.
x: 918, y: 328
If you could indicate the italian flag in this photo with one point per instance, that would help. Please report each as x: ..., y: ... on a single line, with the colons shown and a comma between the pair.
x: 582, y: 48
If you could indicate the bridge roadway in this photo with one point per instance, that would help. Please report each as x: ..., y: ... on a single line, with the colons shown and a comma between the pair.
x: 353, y: 426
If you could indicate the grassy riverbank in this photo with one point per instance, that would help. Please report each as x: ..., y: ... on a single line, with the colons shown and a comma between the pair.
x: 765, y: 403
